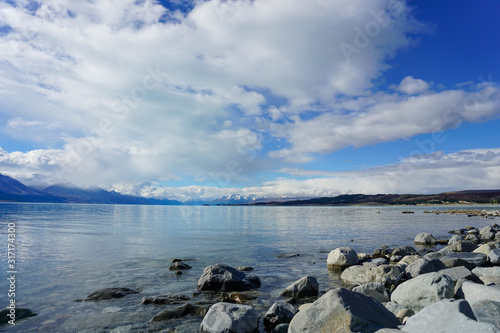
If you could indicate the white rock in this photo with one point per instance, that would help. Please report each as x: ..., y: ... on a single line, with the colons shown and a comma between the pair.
x: 342, y: 257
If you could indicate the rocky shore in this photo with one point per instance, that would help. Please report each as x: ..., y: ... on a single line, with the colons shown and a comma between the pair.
x: 403, y: 289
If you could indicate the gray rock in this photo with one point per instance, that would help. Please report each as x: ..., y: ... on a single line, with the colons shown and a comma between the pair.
x: 279, y: 313
x: 494, y: 256
x: 176, y: 299
x: 341, y: 310
x: 450, y: 263
x: 489, y: 275
x: 475, y: 292
x: 387, y: 274
x: 456, y: 273
x: 424, y: 290
x: 376, y: 290
x: 306, y: 286
x: 487, y: 312
x: 388, y: 330
x: 222, y: 277
x: 394, y: 307
x: 422, y: 266
x: 179, y: 265
x: 409, y: 259
x: 473, y: 238
x: 425, y: 238
x: 109, y: 293
x: 474, y: 259
x: 446, y: 316
x: 461, y: 246
x: 342, y: 257
x: 17, y: 314
x: 281, y: 328
x: 487, y: 233
x: 399, y: 252
x: 497, y: 236
x: 376, y: 262
x: 454, y: 239
x: 230, y: 318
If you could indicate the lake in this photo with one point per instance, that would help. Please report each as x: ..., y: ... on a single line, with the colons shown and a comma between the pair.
x: 64, y: 252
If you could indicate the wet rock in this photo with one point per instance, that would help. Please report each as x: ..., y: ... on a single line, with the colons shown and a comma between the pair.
x: 180, y: 312
x: 222, y: 277
x: 399, y: 252
x: 487, y: 312
x: 284, y: 256
x: 243, y: 297
x: 279, y: 313
x: 374, y: 289
x: 386, y: 274
x: 424, y: 238
x: 424, y: 290
x: 306, y: 286
x: 422, y: 266
x: 230, y: 318
x: 341, y: 310
x: 179, y: 265
x: 109, y: 293
x: 17, y: 313
x: 245, y: 268
x: 341, y: 258
x: 170, y: 300
x: 474, y: 259
x: 446, y: 316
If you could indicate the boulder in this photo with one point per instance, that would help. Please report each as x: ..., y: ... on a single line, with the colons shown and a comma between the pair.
x: 424, y: 238
x: 494, y: 257
x: 306, y: 286
x: 485, y: 248
x: 409, y: 259
x: 450, y: 263
x: 489, y: 275
x: 230, y: 318
x: 446, y: 316
x: 222, y: 277
x: 424, y: 290
x: 387, y: 274
x: 422, y: 266
x: 279, y: 313
x: 341, y: 310
x: 376, y: 262
x: 179, y: 265
x: 474, y: 259
x: 399, y: 252
x: 109, y: 293
x: 461, y: 246
x: 454, y: 239
x: 487, y: 312
x: 341, y: 258
x: 376, y: 290
x: 456, y: 273
x: 487, y: 233
x: 475, y: 292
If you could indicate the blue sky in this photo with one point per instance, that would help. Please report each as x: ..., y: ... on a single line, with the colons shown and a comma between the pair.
x: 198, y: 100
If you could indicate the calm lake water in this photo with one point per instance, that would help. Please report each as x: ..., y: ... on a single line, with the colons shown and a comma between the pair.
x: 65, y: 252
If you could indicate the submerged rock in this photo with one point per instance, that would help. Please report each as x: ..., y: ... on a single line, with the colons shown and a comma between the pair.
x: 341, y: 310
x: 109, y: 293
x: 176, y: 299
x: 222, y: 277
x: 19, y: 313
x: 179, y: 265
x: 230, y: 318
x: 306, y: 286
x: 180, y: 312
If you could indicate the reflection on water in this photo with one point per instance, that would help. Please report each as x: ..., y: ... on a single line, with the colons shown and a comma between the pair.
x: 65, y: 251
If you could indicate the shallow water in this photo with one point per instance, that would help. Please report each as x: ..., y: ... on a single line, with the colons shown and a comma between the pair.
x: 65, y: 252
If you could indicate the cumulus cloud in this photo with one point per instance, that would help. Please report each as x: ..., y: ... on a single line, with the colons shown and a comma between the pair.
x: 412, y: 86
x: 131, y: 92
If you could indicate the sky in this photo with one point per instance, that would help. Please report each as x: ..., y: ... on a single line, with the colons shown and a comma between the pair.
x: 196, y: 100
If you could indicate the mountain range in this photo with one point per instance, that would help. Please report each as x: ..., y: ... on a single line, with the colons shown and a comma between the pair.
x: 12, y: 190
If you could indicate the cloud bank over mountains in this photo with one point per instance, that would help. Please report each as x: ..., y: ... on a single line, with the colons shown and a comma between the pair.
x: 129, y: 95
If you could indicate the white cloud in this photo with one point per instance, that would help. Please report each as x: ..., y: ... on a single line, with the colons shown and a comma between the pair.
x: 412, y: 86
